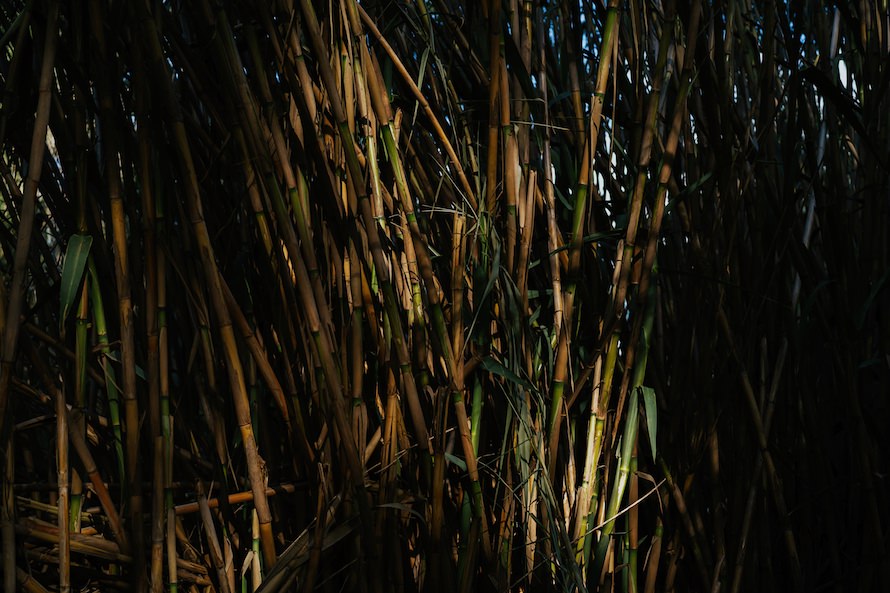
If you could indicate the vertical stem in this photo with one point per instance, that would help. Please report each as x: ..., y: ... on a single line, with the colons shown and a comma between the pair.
x: 157, y: 516
x: 214, y: 549
x: 633, y: 524
x: 17, y: 289
x: 565, y: 305
x: 62, y: 477
x: 255, y: 464
x: 109, y: 129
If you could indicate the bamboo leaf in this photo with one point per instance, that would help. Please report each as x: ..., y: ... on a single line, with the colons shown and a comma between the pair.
x: 493, y: 366
x: 651, y: 417
x: 403, y: 508
x: 72, y: 274
x: 456, y: 461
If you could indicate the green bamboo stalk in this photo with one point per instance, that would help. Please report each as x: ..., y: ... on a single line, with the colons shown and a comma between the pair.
x: 80, y: 384
x: 433, y: 297
x: 79, y: 117
x: 633, y: 525
x: 256, y: 565
x: 511, y: 167
x: 566, y: 303
x: 112, y: 389
x: 628, y: 441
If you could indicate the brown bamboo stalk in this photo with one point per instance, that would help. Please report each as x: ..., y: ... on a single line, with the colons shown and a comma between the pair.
x: 152, y: 325
x: 440, y: 133
x: 212, y: 540
x: 83, y: 451
x: 94, y: 546
x: 494, y: 72
x: 28, y: 583
x: 383, y: 112
x: 234, y: 498
x: 17, y: 288
x: 122, y: 281
x: 212, y: 275
x: 370, y: 226
x: 170, y: 542
x: 653, y: 562
x: 258, y: 353
x: 553, y: 243
x: 568, y: 10
x: 8, y: 518
x: 63, y: 502
x: 156, y: 574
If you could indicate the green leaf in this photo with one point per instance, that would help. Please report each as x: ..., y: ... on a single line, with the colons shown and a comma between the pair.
x: 456, y: 461
x: 493, y: 366
x: 651, y: 416
x: 72, y: 274
x: 116, y: 357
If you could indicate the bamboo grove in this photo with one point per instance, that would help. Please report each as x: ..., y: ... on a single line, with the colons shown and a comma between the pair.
x: 433, y: 295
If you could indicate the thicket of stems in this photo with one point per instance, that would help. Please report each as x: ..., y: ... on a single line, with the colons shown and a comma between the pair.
x: 499, y: 295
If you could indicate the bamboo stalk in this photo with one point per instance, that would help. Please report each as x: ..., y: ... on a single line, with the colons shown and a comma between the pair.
x: 80, y: 446
x: 566, y: 303
x: 28, y: 583
x: 234, y: 498
x: 389, y: 298
x: 17, y: 288
x: 233, y: 363
x: 122, y: 278
x: 216, y: 554
x: 94, y: 546
x: 62, y: 429
x: 440, y: 132
x: 412, y: 226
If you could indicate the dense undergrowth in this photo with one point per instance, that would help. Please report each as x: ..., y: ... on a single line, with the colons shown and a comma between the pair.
x: 436, y: 295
